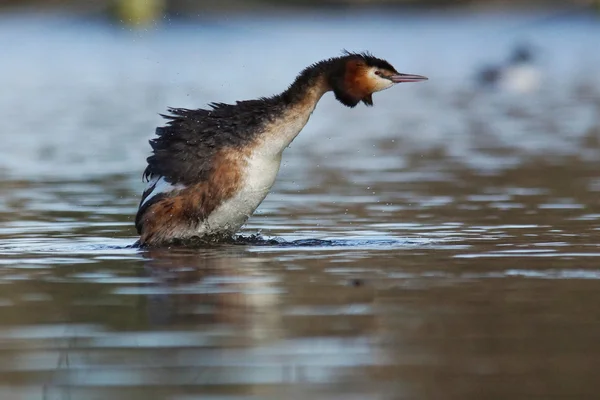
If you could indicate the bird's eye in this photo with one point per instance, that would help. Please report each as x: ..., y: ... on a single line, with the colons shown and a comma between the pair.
x: 377, y: 72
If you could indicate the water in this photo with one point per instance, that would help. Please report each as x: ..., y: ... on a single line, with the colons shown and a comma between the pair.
x: 443, y: 244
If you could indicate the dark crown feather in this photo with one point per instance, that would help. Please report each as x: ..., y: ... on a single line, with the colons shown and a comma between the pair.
x: 369, y: 59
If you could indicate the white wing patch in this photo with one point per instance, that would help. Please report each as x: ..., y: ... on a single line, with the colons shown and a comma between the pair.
x: 157, y: 186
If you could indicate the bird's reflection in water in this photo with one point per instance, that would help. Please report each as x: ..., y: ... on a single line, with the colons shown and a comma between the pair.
x: 270, y: 324
x: 212, y: 288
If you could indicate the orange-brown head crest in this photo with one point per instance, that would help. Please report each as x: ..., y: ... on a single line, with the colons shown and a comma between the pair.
x: 359, y: 75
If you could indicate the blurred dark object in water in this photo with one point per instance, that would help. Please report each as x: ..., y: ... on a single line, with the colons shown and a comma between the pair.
x: 192, y: 7
x: 138, y: 12
x: 518, y: 75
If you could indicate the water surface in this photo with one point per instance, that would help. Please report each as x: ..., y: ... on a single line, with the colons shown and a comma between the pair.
x: 443, y: 244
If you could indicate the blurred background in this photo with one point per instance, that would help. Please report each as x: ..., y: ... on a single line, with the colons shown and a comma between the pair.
x: 442, y: 244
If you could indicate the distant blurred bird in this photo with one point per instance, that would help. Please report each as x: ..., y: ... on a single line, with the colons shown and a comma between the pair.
x: 211, y: 168
x: 518, y: 75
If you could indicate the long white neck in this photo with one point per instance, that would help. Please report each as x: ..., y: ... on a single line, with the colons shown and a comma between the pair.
x: 279, y: 133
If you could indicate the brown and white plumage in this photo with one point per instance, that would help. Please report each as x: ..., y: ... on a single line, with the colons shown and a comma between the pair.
x: 210, y: 169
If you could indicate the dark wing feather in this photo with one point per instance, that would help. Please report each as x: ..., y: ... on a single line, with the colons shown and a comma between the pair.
x: 149, y: 189
x: 184, y: 148
x: 143, y: 208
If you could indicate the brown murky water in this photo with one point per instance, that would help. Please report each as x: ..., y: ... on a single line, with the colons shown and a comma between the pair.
x: 442, y: 245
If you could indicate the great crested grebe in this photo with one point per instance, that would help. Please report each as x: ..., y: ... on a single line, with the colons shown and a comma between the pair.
x: 518, y: 75
x: 210, y: 169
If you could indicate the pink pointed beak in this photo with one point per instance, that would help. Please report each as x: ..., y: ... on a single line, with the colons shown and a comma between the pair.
x: 399, y: 78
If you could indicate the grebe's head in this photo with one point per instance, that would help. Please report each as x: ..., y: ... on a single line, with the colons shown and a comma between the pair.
x: 358, y: 75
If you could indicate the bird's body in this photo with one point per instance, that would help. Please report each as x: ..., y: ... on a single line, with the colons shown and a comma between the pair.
x: 519, y: 75
x: 211, y: 169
